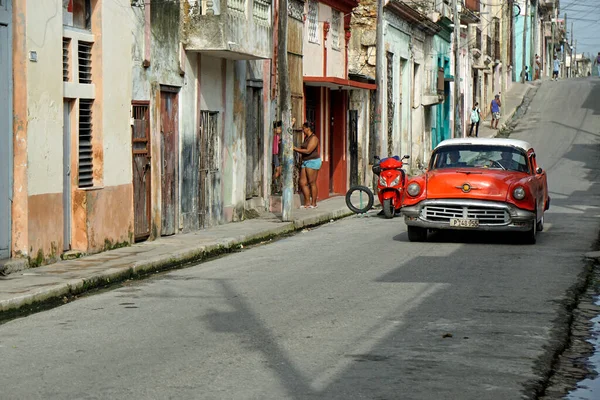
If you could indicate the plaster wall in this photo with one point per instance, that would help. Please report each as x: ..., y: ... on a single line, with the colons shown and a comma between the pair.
x: 313, y: 60
x: 45, y: 97
x: 117, y: 89
x: 519, y: 27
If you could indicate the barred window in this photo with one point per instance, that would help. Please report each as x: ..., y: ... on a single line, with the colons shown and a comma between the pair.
x: 335, y: 29
x: 313, y: 21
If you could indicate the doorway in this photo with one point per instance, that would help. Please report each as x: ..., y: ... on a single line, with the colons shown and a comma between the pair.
x: 142, y: 185
x: 66, y: 175
x: 337, y: 142
x: 6, y: 113
x: 169, y: 115
x: 254, y: 141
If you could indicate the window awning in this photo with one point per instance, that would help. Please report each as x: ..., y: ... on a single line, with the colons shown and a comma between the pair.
x: 337, y: 83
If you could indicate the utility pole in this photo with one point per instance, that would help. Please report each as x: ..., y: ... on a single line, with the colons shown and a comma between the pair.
x: 503, y: 46
x: 524, y: 41
x: 551, y: 55
x: 565, y: 42
x: 457, y: 119
x: 379, y: 61
x: 285, y: 100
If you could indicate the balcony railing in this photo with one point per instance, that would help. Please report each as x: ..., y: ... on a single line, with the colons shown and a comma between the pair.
x: 233, y: 29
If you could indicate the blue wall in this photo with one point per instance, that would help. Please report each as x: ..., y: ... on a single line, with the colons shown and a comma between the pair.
x: 440, y: 127
x: 519, y: 24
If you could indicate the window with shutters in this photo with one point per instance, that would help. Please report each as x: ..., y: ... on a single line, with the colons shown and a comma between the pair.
x: 66, y: 59
x: 335, y: 29
x: 84, y: 55
x: 313, y: 21
x: 85, y: 154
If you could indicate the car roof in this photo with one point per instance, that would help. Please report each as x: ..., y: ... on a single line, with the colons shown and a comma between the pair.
x: 521, y: 144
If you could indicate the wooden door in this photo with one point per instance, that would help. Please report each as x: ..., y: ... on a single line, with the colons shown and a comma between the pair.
x: 337, y: 144
x: 142, y: 202
x: 209, y: 181
x: 254, y: 142
x: 169, y: 165
x: 6, y: 114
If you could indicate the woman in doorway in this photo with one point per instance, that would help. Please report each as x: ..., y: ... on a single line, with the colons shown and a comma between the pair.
x: 311, y: 163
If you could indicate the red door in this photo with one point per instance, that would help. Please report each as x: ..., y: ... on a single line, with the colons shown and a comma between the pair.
x: 337, y: 143
x: 169, y: 152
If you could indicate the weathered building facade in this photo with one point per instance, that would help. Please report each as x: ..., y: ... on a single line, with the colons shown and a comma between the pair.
x: 70, y: 130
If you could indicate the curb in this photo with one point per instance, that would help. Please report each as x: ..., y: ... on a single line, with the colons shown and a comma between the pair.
x: 61, y: 293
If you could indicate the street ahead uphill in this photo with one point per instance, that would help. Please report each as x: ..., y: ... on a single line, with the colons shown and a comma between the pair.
x: 350, y: 310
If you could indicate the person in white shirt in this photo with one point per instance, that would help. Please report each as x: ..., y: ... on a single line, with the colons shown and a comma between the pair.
x: 556, y: 69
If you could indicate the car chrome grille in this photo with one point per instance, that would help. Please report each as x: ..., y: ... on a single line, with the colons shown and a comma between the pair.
x: 485, y: 215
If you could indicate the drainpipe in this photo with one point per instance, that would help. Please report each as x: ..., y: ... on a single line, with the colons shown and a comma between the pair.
x: 457, y: 122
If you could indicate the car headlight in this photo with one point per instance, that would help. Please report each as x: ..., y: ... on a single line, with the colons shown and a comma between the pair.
x: 413, y: 189
x: 519, y: 193
x: 382, y: 181
x: 395, y: 181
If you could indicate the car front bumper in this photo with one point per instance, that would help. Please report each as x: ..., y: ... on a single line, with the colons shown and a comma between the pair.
x: 491, y: 215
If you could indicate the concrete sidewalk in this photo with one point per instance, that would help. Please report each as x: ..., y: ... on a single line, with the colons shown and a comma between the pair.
x: 23, y: 291
x: 511, y: 100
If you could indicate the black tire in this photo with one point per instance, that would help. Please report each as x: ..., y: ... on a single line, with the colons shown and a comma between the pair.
x: 388, y: 209
x: 417, y: 234
x: 365, y: 190
x: 529, y: 237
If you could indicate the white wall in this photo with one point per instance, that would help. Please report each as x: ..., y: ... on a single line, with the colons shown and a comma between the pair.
x: 117, y: 84
x: 44, y: 97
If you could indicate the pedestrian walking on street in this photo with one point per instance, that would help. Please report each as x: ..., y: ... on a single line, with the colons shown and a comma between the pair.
x: 537, y: 67
x: 556, y: 69
x: 495, y: 111
x: 475, y: 118
x: 597, y: 62
x: 311, y: 163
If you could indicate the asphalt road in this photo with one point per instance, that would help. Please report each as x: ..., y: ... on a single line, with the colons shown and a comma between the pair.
x: 350, y: 310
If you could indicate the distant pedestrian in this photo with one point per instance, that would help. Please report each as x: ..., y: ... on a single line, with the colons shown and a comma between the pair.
x: 526, y: 73
x: 475, y: 118
x: 598, y: 63
x: 537, y: 68
x: 495, y: 110
x: 556, y: 69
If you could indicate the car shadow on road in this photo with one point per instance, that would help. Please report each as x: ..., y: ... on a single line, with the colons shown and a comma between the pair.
x: 470, y: 237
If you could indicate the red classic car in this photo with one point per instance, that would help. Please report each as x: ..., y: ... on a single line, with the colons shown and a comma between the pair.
x: 478, y: 184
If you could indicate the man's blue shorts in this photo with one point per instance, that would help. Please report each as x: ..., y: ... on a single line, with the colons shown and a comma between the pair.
x: 312, y: 164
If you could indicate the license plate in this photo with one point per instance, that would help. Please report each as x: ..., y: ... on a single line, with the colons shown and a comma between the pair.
x: 464, y: 223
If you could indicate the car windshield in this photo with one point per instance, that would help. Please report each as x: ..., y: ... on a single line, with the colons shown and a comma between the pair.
x: 479, y: 156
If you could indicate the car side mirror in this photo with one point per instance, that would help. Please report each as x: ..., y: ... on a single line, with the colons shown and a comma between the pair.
x: 406, y: 157
x: 539, y: 170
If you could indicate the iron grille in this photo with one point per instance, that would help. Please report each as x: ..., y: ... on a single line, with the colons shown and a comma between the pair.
x: 485, y: 215
x: 66, y: 43
x: 85, y: 144
x: 85, y: 62
x: 335, y: 29
x: 313, y: 21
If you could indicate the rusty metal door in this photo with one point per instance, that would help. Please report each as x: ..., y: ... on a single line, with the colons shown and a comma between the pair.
x: 6, y: 114
x: 169, y: 165
x: 254, y: 142
x: 142, y: 201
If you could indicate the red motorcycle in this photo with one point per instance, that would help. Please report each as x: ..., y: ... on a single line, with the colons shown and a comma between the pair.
x: 390, y: 186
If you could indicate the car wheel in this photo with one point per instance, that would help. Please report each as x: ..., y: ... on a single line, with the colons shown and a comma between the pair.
x: 529, y: 236
x: 417, y: 234
x: 388, y: 209
x: 540, y: 225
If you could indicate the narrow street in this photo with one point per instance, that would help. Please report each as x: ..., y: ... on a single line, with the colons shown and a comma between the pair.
x: 350, y: 310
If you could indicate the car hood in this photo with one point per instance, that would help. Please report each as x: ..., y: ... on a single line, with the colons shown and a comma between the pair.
x: 484, y: 184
